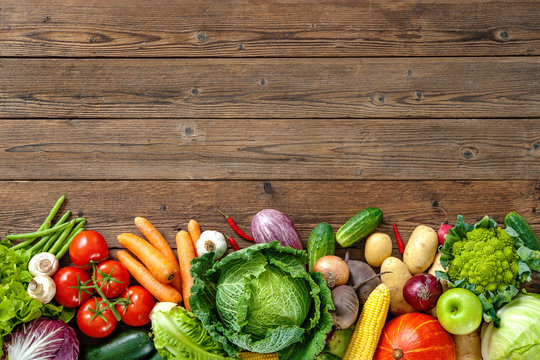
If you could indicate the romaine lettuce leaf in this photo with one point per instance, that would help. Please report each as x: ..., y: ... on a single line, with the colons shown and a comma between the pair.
x: 179, y: 335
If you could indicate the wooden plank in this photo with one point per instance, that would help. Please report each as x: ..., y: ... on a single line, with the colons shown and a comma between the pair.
x: 262, y: 88
x: 111, y: 206
x: 125, y: 28
x: 277, y: 149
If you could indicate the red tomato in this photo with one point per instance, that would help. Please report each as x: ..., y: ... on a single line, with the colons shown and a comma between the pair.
x: 88, y: 246
x: 118, y: 281
x: 142, y: 303
x: 98, y: 327
x: 65, y: 279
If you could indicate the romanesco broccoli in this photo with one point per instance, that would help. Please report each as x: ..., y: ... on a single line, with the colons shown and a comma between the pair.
x: 486, y: 258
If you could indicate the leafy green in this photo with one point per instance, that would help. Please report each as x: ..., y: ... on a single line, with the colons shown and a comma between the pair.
x: 179, y: 335
x: 518, y: 336
x: 487, y: 261
x: 16, y: 306
x: 262, y: 299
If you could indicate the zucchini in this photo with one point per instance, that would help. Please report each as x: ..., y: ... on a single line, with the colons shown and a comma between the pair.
x: 523, y: 229
x: 321, y: 242
x: 359, y: 226
x: 132, y: 344
x: 156, y: 356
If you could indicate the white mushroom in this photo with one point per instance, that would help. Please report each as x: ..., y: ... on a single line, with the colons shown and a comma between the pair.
x: 212, y: 241
x: 42, y: 288
x: 43, y: 263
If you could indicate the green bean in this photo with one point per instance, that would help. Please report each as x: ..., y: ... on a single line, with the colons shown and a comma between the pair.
x: 23, y: 244
x: 51, y: 241
x: 37, y: 247
x: 62, y: 237
x: 37, y: 233
x: 47, y: 223
x: 76, y: 230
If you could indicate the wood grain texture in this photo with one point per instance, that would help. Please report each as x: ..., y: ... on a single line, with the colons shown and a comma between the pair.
x: 270, y: 149
x: 110, y: 207
x: 243, y: 28
x: 270, y: 88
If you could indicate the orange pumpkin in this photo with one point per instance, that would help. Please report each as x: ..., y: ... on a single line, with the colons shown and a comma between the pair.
x: 415, y: 336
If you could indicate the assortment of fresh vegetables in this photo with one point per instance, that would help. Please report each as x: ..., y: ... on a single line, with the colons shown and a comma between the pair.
x: 273, y: 300
x: 487, y: 260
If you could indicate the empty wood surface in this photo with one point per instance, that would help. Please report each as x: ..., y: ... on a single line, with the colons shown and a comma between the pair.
x: 126, y: 28
x: 270, y: 88
x: 270, y: 149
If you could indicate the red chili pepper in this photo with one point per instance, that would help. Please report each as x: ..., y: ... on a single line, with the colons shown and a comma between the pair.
x: 400, y: 245
x: 234, y: 244
x: 235, y: 227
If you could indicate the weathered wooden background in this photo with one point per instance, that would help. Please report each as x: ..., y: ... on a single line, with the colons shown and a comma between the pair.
x: 172, y: 109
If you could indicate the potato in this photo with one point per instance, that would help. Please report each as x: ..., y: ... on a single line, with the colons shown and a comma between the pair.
x: 420, y: 250
x: 378, y: 248
x: 395, y: 282
x: 468, y: 346
x: 437, y: 266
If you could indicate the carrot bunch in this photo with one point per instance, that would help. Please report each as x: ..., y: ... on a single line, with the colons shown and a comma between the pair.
x: 165, y: 277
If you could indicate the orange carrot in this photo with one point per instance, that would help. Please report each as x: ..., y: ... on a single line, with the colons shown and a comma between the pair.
x: 162, y: 292
x: 158, y: 241
x: 186, y: 253
x: 162, y: 268
x: 194, y: 232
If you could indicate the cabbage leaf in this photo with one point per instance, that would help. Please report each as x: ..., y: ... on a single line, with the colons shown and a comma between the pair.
x: 518, y: 336
x: 262, y: 299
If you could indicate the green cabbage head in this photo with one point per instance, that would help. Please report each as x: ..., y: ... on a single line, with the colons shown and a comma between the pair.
x: 263, y: 300
x: 518, y: 337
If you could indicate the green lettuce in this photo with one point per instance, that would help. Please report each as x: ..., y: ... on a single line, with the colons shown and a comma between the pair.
x: 179, y: 335
x: 262, y: 299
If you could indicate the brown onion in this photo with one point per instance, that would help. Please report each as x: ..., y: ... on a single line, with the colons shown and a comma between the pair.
x: 334, y: 270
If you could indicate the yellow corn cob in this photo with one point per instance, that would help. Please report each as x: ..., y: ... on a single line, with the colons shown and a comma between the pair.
x: 256, y: 356
x: 369, y: 326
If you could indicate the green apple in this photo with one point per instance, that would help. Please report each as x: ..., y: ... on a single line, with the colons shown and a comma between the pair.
x: 459, y: 311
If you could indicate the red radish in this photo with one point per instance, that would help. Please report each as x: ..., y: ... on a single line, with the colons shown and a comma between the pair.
x: 443, y: 230
x: 422, y: 291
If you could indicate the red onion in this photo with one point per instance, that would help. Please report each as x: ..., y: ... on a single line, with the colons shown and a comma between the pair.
x: 269, y: 225
x: 443, y: 230
x: 422, y: 291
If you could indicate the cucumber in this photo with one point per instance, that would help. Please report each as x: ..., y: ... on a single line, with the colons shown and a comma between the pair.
x: 321, y: 242
x: 132, y: 344
x: 359, y: 226
x: 524, y: 230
